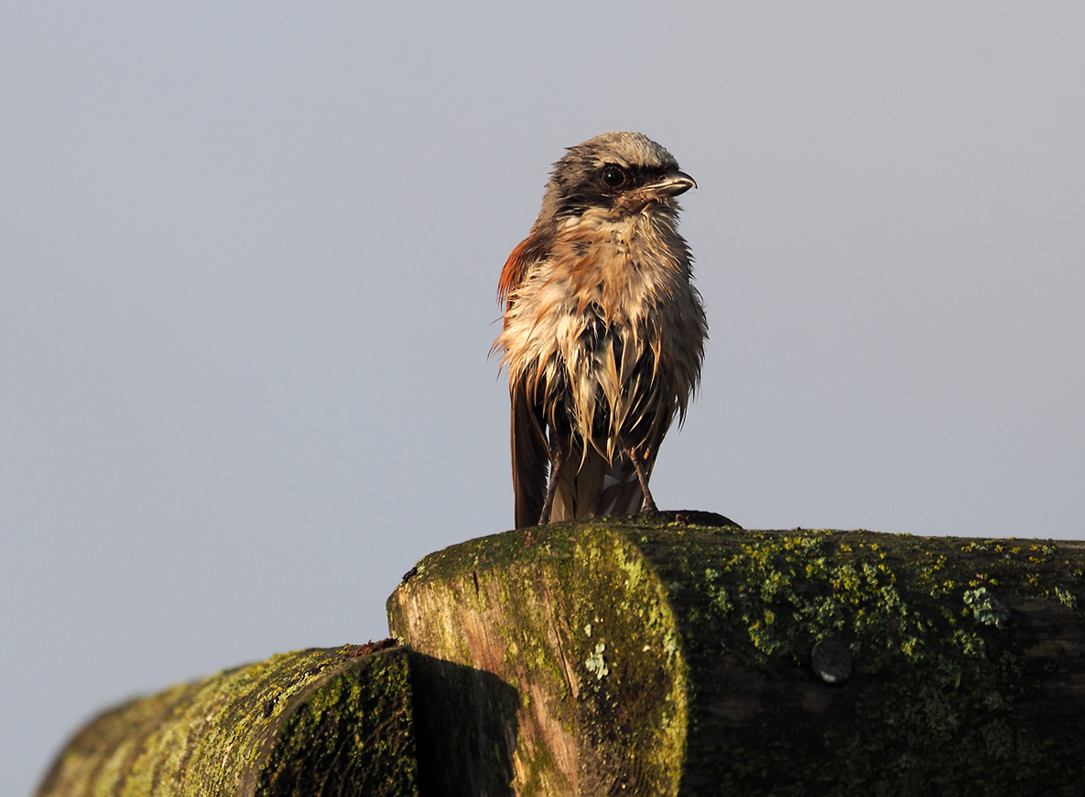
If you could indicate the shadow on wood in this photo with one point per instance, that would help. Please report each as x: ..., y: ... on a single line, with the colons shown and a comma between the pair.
x: 465, y: 722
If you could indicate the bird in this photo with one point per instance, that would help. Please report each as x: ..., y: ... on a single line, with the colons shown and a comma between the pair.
x: 603, y: 331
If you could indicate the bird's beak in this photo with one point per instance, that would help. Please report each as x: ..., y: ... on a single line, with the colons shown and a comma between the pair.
x: 673, y: 184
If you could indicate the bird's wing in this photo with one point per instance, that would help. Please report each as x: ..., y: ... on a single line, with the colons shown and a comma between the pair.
x: 516, y: 267
x: 530, y: 456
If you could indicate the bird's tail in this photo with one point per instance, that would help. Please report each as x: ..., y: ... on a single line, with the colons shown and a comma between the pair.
x: 596, y: 487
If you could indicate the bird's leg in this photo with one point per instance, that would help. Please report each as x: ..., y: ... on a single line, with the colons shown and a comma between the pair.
x: 556, y: 460
x: 642, y: 477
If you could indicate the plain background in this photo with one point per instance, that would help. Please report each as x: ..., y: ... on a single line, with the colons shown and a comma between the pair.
x: 248, y: 257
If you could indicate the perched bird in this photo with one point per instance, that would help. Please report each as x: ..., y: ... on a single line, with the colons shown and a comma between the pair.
x: 603, y: 333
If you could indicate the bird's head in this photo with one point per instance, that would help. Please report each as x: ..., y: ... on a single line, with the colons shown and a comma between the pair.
x: 617, y: 173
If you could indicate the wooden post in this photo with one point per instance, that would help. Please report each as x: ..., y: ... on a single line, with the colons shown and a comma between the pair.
x: 327, y: 722
x: 652, y: 656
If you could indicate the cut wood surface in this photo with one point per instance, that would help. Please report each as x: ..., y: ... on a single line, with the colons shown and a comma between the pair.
x: 315, y: 722
x: 654, y: 656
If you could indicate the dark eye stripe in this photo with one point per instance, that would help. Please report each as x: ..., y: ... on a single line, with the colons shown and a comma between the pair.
x: 587, y: 186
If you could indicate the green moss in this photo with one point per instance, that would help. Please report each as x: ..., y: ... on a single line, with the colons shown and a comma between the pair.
x: 292, y: 725
x: 631, y: 641
x: 353, y: 735
x: 677, y: 656
x: 578, y: 614
x: 933, y: 687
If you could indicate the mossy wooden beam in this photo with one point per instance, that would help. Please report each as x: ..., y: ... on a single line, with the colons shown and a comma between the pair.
x: 654, y: 656
x: 315, y: 722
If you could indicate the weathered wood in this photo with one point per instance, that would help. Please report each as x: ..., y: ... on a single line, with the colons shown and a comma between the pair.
x: 315, y: 722
x: 653, y: 657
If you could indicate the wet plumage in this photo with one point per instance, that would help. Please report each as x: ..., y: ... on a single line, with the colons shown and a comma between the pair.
x: 603, y: 332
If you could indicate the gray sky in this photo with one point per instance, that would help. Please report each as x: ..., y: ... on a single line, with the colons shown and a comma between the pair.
x: 248, y: 257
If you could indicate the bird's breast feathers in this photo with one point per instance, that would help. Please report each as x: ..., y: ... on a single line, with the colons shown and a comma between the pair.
x: 604, y: 313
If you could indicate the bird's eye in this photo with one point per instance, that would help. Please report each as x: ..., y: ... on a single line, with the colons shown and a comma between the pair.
x: 613, y: 176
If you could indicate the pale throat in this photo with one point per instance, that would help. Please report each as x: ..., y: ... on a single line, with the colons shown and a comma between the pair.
x: 622, y: 262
